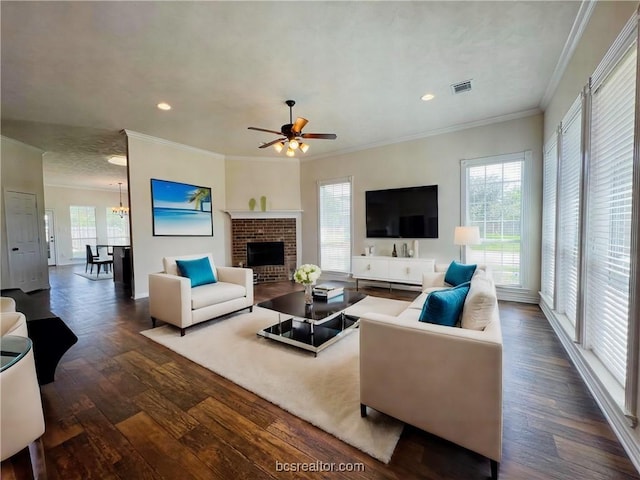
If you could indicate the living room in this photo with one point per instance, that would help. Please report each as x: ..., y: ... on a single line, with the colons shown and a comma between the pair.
x: 290, y: 185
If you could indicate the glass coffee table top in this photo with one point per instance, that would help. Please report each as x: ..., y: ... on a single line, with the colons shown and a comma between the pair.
x: 321, y: 310
x: 311, y: 327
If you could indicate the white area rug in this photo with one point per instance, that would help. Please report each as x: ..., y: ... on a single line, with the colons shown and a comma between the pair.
x: 323, y: 390
x: 92, y: 276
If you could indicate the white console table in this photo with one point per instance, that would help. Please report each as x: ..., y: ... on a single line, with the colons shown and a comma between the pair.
x: 403, y: 270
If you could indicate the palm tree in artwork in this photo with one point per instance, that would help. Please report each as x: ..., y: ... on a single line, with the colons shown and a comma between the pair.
x: 198, y: 197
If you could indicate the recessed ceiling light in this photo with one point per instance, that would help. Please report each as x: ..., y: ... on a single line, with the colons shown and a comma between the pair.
x: 118, y: 160
x: 428, y: 96
x: 164, y: 106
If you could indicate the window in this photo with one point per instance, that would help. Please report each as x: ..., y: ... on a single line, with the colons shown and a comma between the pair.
x: 493, y: 191
x: 550, y: 175
x: 83, y: 229
x: 570, y: 179
x: 608, y: 223
x: 335, y: 225
x: 117, y: 229
x: 597, y: 233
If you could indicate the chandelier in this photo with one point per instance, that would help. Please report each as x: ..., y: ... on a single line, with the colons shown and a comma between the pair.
x: 120, y: 210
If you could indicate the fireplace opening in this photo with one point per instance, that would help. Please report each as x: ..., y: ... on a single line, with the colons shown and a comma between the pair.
x: 265, y: 253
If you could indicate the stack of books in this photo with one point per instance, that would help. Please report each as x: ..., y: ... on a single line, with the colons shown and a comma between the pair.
x: 325, y: 292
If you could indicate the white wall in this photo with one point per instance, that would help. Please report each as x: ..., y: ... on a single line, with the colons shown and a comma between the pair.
x: 278, y: 179
x: 21, y: 169
x: 155, y: 158
x: 59, y: 199
x: 428, y: 161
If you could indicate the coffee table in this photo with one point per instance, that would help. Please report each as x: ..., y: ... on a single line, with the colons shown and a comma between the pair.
x: 311, y: 327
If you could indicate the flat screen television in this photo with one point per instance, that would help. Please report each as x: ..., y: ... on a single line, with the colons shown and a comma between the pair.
x: 410, y: 212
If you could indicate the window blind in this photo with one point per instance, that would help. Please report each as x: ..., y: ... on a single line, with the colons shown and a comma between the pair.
x: 82, y: 228
x: 608, y: 227
x: 550, y: 175
x: 569, y: 211
x: 493, y: 202
x: 335, y: 225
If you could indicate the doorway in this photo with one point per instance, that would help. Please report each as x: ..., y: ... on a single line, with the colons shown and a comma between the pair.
x: 50, y: 237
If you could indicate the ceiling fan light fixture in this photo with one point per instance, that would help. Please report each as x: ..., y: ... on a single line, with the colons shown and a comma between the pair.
x: 304, y: 147
x: 291, y: 152
x: 293, y: 144
x: 278, y: 146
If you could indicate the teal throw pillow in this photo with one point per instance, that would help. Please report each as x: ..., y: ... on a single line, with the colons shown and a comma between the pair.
x: 198, y: 271
x: 459, y: 273
x: 444, y: 307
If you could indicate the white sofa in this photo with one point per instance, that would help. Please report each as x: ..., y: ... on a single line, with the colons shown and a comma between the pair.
x: 444, y: 380
x: 21, y: 415
x: 172, y: 300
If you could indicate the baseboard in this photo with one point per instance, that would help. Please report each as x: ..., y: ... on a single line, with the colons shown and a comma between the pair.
x: 522, y: 296
x: 609, y: 407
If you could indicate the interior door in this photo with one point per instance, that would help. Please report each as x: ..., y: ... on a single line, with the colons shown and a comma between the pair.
x: 50, y: 237
x: 25, y: 256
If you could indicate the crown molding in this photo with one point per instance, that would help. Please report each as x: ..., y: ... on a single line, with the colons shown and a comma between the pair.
x: 181, y: 146
x: 77, y: 187
x: 234, y: 158
x: 579, y: 25
x: 21, y: 144
x: 432, y: 133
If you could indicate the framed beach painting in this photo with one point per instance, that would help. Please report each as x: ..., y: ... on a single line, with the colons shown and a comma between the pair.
x: 180, y: 209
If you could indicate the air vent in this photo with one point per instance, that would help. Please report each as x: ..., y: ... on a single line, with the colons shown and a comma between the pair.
x: 461, y: 87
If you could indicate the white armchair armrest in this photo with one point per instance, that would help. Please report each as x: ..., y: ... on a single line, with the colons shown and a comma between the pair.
x: 170, y: 299
x: 239, y: 276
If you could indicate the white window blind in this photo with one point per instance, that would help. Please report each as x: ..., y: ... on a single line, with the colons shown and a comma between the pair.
x: 335, y: 225
x: 493, y: 202
x: 83, y: 229
x: 569, y: 211
x: 550, y: 175
x: 608, y: 227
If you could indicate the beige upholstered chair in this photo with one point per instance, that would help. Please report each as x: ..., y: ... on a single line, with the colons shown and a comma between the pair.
x: 173, y: 300
x: 21, y: 416
x: 7, y: 304
x: 13, y: 323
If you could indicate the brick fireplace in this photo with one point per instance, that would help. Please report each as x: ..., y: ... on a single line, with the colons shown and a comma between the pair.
x: 265, y: 227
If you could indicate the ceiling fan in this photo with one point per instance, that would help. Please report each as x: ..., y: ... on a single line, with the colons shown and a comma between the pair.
x: 291, y: 132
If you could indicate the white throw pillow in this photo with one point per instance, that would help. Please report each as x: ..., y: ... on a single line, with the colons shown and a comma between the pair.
x: 479, y: 304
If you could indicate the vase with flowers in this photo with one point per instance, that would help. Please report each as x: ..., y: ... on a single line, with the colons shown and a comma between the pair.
x: 307, y: 275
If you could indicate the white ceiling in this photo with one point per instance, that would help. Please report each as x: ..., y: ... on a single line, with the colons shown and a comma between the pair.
x: 74, y: 74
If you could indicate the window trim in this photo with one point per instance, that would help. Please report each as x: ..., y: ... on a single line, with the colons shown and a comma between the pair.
x: 331, y: 181
x: 507, y: 292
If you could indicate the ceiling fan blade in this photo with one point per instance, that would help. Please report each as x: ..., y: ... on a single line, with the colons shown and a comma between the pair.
x: 325, y: 136
x: 264, y: 130
x: 265, y: 145
x: 299, y: 125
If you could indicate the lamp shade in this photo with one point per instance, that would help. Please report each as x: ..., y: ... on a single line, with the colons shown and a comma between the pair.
x: 466, y: 236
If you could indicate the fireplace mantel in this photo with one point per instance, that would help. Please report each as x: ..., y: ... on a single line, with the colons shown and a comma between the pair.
x: 267, y: 214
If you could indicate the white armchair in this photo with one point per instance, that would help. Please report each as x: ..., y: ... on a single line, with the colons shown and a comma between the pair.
x: 173, y: 300
x: 21, y: 415
x: 7, y: 304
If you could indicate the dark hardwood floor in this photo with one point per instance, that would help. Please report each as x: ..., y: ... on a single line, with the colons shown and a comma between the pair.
x: 124, y: 407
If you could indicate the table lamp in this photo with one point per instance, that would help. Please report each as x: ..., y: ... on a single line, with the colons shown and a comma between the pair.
x: 464, y: 236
